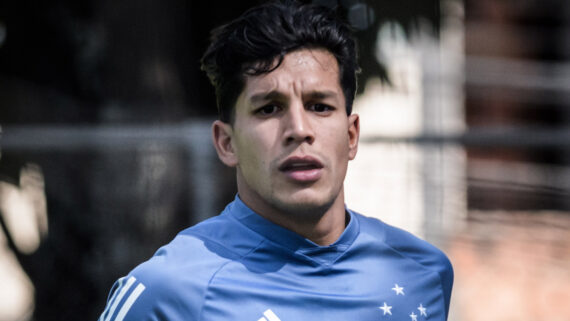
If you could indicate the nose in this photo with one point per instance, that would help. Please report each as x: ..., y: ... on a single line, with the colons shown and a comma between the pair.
x: 298, y: 127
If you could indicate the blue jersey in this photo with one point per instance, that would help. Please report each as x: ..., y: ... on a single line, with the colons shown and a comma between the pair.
x: 240, y: 266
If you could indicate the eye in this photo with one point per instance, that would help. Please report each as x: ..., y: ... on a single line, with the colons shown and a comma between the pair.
x: 267, y: 110
x: 320, y: 108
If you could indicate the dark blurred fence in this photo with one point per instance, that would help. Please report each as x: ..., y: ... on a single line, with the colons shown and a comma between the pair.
x: 114, y: 195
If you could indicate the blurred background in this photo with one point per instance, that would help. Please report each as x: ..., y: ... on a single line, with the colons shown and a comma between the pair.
x: 106, y: 154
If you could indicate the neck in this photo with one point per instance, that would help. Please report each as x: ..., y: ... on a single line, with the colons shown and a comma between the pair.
x: 322, y: 226
x: 326, y: 229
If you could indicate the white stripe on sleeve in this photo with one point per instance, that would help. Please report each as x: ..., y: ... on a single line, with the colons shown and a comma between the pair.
x: 130, y: 301
x: 120, y: 297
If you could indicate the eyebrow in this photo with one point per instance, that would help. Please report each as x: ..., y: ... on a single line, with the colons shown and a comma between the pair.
x: 317, y: 94
x: 265, y: 96
x: 276, y: 95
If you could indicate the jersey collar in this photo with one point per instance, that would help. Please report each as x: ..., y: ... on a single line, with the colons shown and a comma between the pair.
x: 291, y: 240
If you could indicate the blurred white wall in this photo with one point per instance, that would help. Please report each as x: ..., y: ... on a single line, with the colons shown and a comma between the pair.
x: 418, y: 187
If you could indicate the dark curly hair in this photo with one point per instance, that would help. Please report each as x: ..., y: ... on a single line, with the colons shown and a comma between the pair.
x: 250, y: 45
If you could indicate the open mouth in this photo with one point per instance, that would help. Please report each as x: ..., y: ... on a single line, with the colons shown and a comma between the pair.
x: 302, y: 169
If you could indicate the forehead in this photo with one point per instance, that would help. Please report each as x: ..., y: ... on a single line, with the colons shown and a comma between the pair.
x: 301, y: 70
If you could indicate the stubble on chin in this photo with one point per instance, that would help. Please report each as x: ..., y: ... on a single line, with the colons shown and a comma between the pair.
x: 303, y: 209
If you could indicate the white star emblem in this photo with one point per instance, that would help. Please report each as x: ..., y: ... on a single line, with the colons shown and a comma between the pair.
x: 386, y: 308
x: 422, y: 310
x: 399, y: 290
x: 414, y: 317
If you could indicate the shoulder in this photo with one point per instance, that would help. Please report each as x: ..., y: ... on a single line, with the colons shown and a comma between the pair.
x: 409, y: 246
x: 173, y: 283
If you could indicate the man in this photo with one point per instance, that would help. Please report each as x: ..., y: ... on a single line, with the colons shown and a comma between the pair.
x: 286, y: 248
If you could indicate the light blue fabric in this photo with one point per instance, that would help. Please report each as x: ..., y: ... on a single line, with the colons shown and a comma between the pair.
x: 239, y: 266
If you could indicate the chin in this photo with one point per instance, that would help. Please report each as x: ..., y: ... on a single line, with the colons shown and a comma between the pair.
x: 311, y: 204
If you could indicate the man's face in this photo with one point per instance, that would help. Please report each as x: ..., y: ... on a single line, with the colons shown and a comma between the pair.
x: 291, y: 139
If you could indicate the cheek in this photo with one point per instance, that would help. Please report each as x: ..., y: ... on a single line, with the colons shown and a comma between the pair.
x: 337, y: 142
x: 252, y: 152
x: 259, y: 141
x: 247, y: 155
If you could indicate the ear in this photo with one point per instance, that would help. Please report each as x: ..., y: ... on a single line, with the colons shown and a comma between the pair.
x: 353, y: 135
x: 222, y: 134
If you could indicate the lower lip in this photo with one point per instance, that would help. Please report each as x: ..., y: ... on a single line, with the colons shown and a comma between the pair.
x: 304, y: 176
